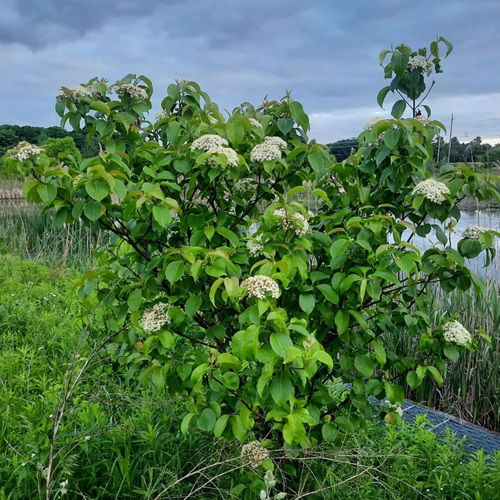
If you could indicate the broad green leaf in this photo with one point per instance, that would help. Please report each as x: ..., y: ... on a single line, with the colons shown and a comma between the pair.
x: 220, y: 425
x: 342, y: 320
x: 394, y: 392
x: 280, y: 342
x: 206, y: 420
x: 175, y: 271
x: 162, y: 215
x: 324, y: 358
x: 307, y: 302
x: 365, y: 365
x: 281, y: 388
x: 451, y: 352
x: 398, y: 109
x: 185, y: 423
x: 47, y: 192
x: 193, y: 303
x: 92, y: 210
x: 245, y: 343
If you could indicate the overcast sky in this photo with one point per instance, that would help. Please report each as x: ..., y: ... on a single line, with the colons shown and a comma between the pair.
x: 324, y: 51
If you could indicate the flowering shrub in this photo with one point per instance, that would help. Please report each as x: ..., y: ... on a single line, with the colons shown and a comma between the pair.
x: 229, y: 292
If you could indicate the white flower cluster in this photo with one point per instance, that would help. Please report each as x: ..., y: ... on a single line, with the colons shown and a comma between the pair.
x: 259, y: 285
x: 269, y: 150
x: 432, y: 190
x: 254, y: 454
x: 153, y: 319
x: 207, y: 142
x: 275, y: 141
x: 63, y: 485
x: 255, y: 245
x: 216, y: 145
x: 473, y: 232
x: 255, y: 123
x: 394, y: 407
x: 24, y: 150
x: 73, y: 93
x: 245, y: 184
x: 456, y: 333
x: 296, y: 222
x: 371, y: 123
x: 421, y: 64
x: 161, y: 114
x: 132, y: 90
x: 423, y: 120
x: 265, y: 152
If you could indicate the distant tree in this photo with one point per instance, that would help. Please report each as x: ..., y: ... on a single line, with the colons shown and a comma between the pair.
x: 62, y: 148
x: 344, y: 148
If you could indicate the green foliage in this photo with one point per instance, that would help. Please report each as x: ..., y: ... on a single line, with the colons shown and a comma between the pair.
x: 407, y: 69
x: 122, y: 441
x: 62, y: 148
x: 247, y: 336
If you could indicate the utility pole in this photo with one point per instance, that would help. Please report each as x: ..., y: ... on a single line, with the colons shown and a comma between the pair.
x: 451, y: 135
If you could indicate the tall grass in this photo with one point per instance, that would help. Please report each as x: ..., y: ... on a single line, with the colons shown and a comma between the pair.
x: 27, y: 232
x: 470, y: 388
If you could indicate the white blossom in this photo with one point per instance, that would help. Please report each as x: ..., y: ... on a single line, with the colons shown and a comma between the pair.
x: 24, y: 150
x: 63, y: 487
x: 432, y: 190
x: 269, y: 479
x: 254, y: 454
x: 275, y: 141
x: 423, y: 120
x: 263, y: 495
x: 473, y: 232
x: 73, y: 93
x: 134, y: 91
x: 259, y: 285
x: 371, y: 123
x: 245, y: 184
x: 296, y: 221
x: 394, y: 407
x: 455, y: 333
x: 265, y: 152
x: 421, y: 64
x: 161, y: 115
x: 153, y: 319
x: 254, y: 245
x: 207, y: 142
x: 230, y: 154
x: 255, y: 123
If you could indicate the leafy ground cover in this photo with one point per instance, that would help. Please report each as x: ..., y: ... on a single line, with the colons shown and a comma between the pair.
x: 120, y: 440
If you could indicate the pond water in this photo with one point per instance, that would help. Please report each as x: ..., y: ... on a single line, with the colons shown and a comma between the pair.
x: 486, y: 218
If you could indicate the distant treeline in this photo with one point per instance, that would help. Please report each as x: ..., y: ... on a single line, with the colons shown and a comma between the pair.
x: 11, y: 135
x: 465, y: 152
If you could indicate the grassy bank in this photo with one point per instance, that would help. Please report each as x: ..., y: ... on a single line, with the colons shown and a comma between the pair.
x: 118, y: 440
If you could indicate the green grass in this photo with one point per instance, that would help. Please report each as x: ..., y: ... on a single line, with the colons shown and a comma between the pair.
x: 27, y: 232
x: 118, y: 440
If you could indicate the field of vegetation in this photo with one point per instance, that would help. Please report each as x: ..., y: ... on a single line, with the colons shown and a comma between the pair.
x: 121, y: 440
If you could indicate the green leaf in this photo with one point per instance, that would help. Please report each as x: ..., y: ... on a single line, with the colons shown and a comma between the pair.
x: 365, y: 365
x: 280, y: 342
x: 329, y: 432
x: 213, y: 289
x: 220, y: 425
x: 324, y: 358
x: 162, y: 215
x: 451, y: 352
x: 398, y: 109
x: 328, y: 293
x: 238, y: 428
x: 232, y: 237
x: 134, y: 299
x: 47, y: 192
x: 382, y: 95
x: 391, y: 137
x: 413, y: 379
x: 307, y: 302
x: 245, y: 343
x: 394, y: 392
x: 92, y: 210
x: 193, y: 303
x: 379, y: 352
x: 206, y: 420
x: 342, y: 320
x: 337, y: 252
x: 100, y: 106
x: 175, y: 271
x: 281, y: 388
x: 435, y: 374
x: 185, y: 423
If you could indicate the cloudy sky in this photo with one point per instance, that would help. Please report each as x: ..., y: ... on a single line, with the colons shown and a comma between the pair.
x: 324, y: 51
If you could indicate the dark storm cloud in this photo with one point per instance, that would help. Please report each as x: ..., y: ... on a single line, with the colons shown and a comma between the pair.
x: 326, y: 52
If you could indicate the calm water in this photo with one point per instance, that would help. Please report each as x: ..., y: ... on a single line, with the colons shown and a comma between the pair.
x: 486, y: 218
